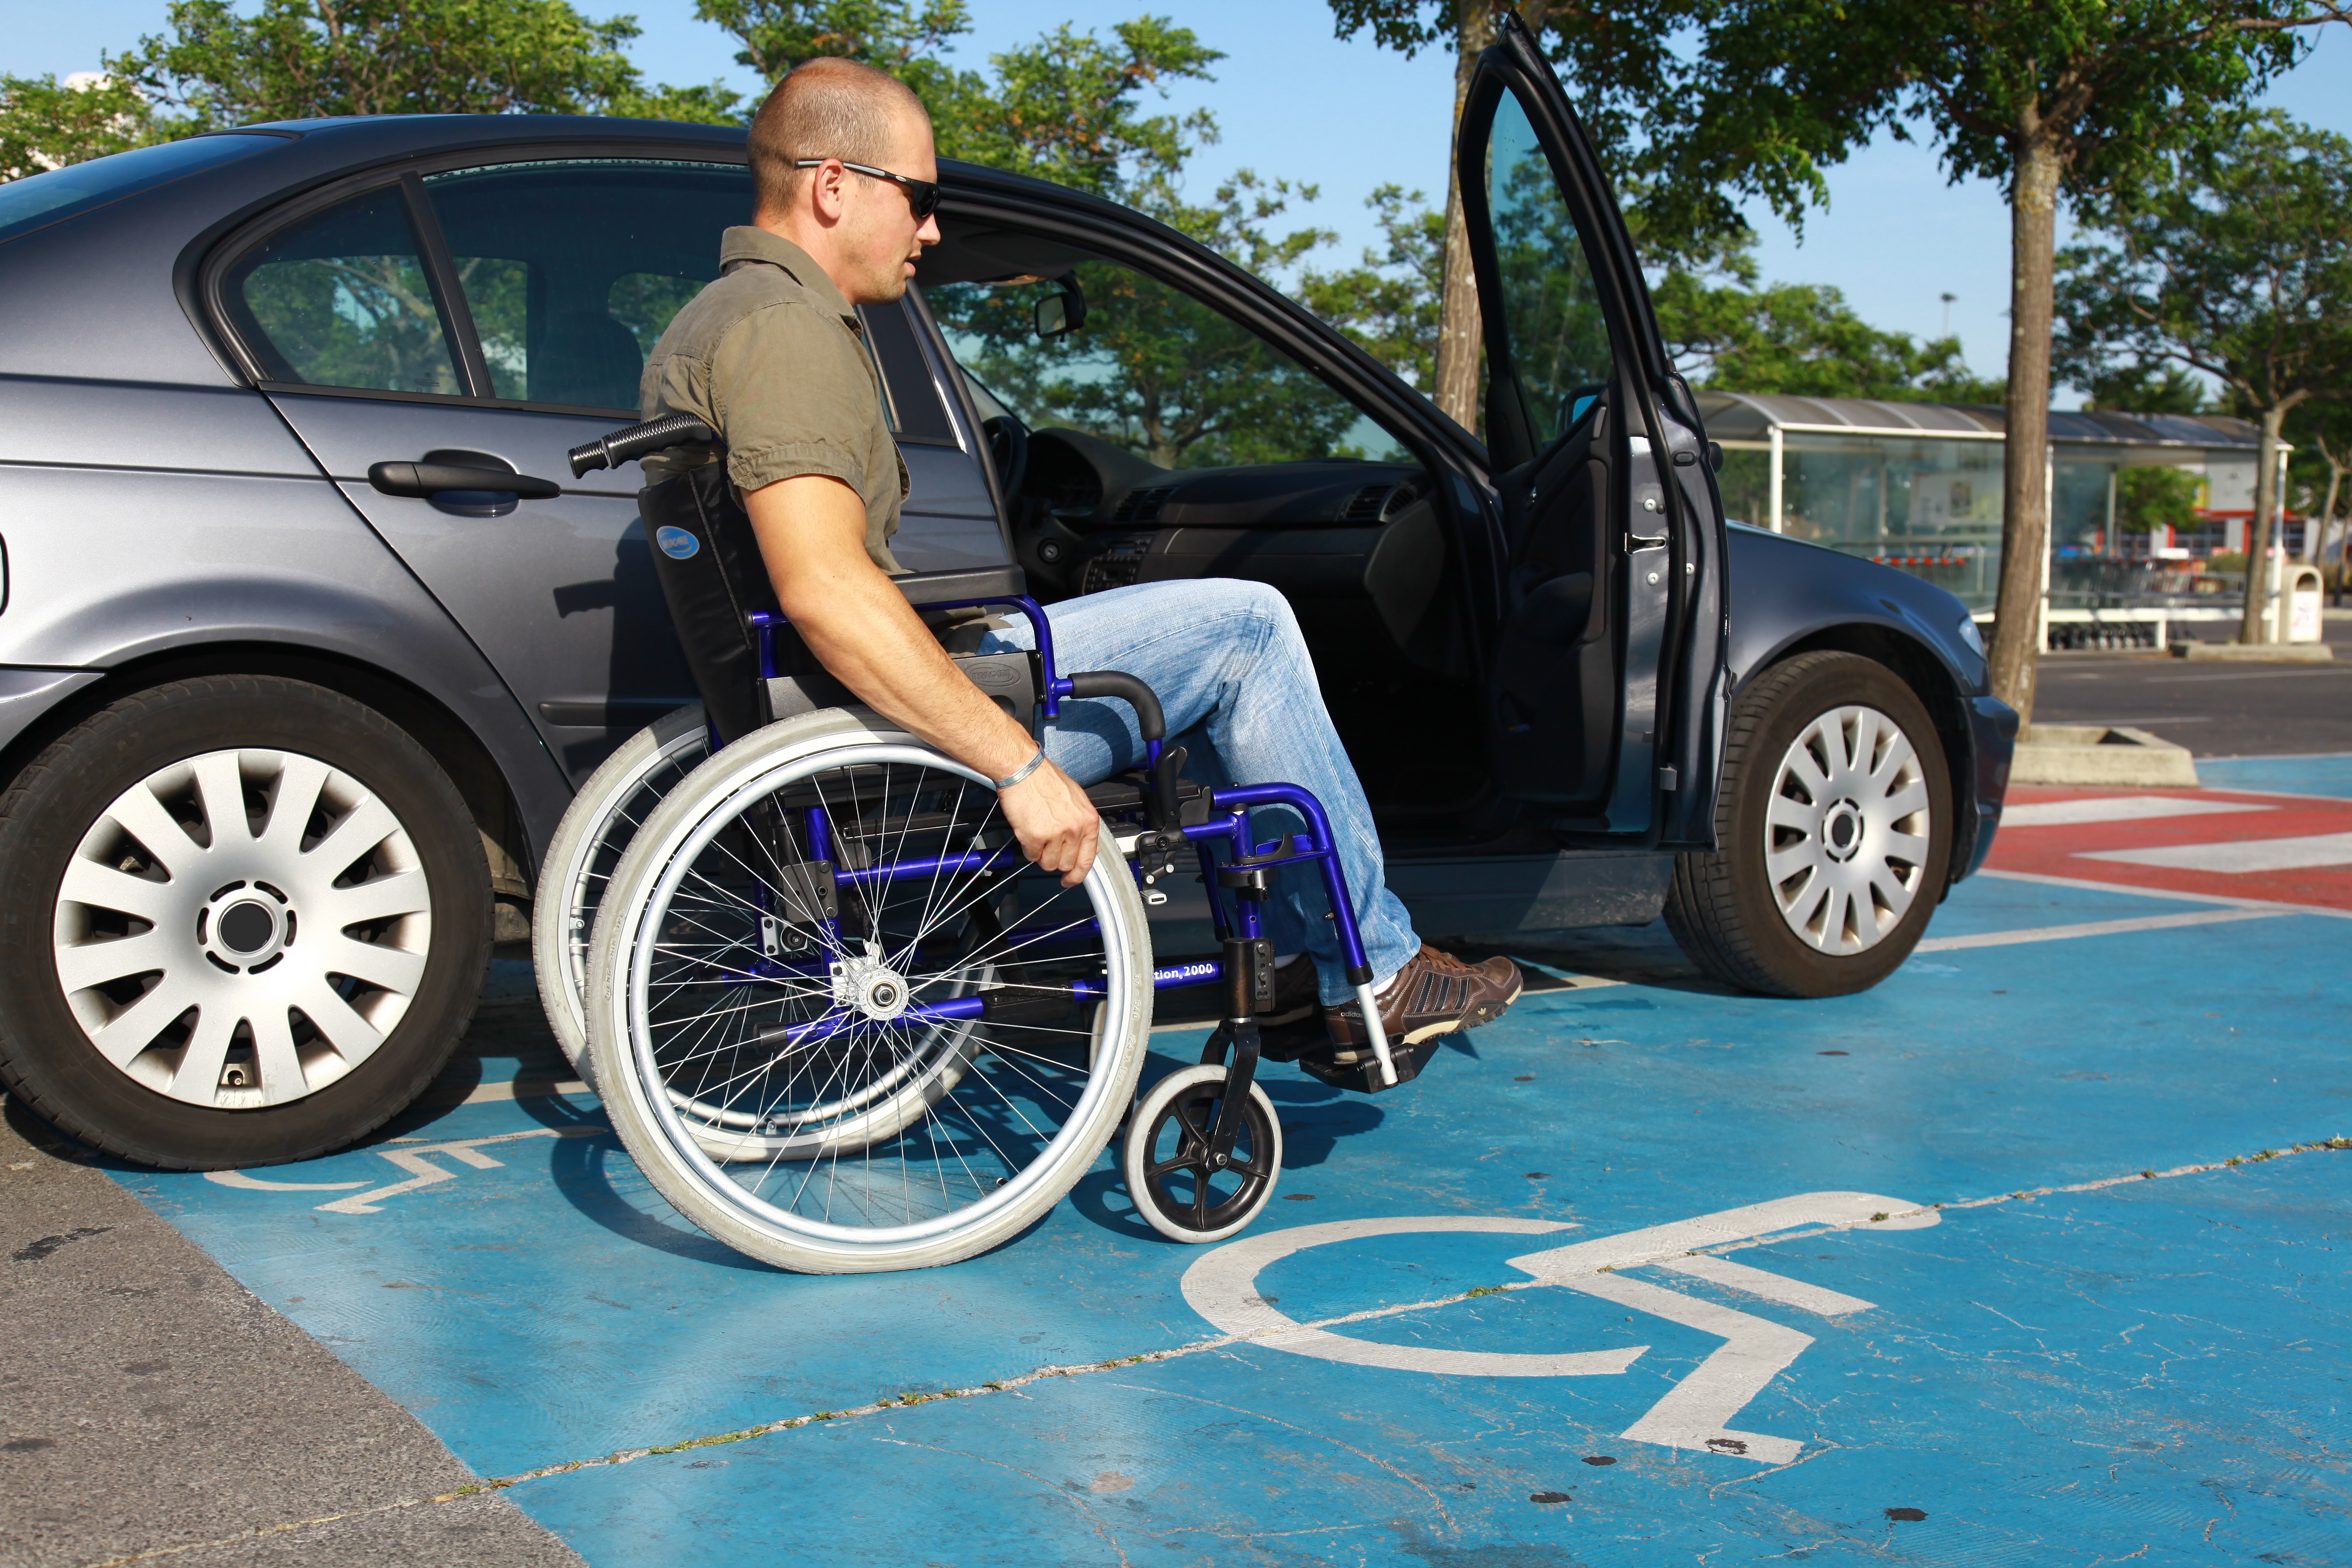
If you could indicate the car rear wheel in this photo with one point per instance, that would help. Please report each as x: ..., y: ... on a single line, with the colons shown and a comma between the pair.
x: 246, y: 922
x: 1833, y: 828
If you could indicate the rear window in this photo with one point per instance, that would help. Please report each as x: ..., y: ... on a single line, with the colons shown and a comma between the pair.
x: 42, y: 199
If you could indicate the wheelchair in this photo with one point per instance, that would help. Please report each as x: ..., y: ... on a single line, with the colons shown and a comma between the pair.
x: 839, y: 1021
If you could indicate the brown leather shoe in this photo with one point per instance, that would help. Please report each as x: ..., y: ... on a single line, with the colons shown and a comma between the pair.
x: 1295, y: 995
x: 1434, y: 995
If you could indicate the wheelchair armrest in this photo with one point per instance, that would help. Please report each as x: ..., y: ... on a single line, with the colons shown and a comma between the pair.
x: 963, y: 585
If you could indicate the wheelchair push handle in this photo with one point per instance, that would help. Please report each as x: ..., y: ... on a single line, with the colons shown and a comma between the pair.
x: 614, y: 447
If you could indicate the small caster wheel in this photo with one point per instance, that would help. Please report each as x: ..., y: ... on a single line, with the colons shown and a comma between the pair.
x: 1175, y: 1186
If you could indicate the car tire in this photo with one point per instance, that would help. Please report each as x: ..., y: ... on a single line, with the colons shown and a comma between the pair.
x: 1823, y: 874
x: 354, y: 851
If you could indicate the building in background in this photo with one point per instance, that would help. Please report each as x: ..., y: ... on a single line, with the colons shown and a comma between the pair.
x: 1917, y: 485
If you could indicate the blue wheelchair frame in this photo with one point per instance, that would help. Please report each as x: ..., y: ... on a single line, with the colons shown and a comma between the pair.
x: 1248, y: 962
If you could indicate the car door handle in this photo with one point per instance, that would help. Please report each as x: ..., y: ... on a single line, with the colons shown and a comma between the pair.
x: 428, y: 479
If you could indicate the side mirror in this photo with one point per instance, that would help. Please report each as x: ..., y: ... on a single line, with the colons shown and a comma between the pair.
x: 1062, y: 313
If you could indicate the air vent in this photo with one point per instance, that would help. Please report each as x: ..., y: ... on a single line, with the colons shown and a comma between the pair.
x: 1365, y: 505
x: 1142, y: 506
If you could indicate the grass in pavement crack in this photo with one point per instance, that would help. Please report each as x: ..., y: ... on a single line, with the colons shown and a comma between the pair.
x: 1222, y: 1342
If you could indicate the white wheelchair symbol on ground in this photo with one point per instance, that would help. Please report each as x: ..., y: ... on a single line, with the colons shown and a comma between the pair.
x: 1223, y: 1287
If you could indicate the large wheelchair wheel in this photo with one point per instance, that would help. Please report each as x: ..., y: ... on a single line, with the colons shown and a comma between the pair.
x: 597, y: 829
x: 895, y: 1066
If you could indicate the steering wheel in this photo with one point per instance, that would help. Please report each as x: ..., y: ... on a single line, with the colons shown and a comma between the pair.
x: 1008, y: 449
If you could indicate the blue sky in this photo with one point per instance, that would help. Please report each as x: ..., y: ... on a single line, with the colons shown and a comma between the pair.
x: 1293, y: 101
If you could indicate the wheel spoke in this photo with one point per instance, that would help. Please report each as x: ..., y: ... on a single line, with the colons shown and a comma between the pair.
x: 273, y: 1050
x: 353, y: 1037
x: 197, y: 1077
x: 365, y: 827
x: 142, y: 816
x: 220, y: 790
x: 299, y: 782
x: 401, y: 893
x: 89, y: 964
x: 392, y: 968
x: 134, y: 1028
x: 104, y: 888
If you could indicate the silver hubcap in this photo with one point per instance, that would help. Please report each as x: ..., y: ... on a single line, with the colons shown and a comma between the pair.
x: 242, y: 929
x: 1848, y: 830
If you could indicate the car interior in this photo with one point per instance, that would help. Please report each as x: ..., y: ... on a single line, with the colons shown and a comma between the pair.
x: 1142, y: 436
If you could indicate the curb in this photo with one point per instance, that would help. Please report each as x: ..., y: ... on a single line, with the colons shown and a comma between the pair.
x: 2094, y: 754
x: 2257, y: 653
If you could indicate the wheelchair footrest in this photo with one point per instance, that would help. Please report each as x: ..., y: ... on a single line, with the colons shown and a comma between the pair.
x: 1364, y: 1077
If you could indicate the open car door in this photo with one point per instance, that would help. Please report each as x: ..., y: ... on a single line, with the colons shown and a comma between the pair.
x: 1608, y: 689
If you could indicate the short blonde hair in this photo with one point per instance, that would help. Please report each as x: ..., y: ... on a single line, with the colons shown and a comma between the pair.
x: 826, y: 107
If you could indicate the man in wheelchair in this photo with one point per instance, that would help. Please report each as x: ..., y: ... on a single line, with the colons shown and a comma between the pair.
x: 770, y: 358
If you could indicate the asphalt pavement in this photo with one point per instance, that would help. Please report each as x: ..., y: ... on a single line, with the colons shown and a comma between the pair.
x: 2215, y: 709
x: 2034, y: 1254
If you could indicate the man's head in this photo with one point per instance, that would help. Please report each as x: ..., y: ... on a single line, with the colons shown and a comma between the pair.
x: 862, y: 230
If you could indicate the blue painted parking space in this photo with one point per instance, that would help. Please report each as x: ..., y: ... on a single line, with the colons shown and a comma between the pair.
x: 1644, y: 1273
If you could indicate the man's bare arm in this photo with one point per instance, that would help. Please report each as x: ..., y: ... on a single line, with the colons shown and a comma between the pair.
x: 812, y: 533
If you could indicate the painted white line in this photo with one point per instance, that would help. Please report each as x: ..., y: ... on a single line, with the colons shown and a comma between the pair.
x: 1657, y: 1242
x: 2090, y: 884
x: 1769, y: 1287
x: 255, y: 1184
x: 424, y: 1173
x: 2240, y: 856
x: 1223, y: 1287
x: 2094, y: 928
x: 2118, y: 808
x: 1694, y: 1413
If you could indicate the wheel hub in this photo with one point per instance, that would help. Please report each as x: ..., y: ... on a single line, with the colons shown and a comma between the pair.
x: 1842, y: 830
x: 869, y: 985
x: 245, y: 927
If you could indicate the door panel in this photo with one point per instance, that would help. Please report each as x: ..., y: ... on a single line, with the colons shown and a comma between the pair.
x: 1603, y: 563
x: 540, y: 283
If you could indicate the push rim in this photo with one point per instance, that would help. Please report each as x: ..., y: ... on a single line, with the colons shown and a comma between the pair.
x: 1177, y: 1179
x: 983, y: 1117
x: 241, y: 929
x: 1847, y: 830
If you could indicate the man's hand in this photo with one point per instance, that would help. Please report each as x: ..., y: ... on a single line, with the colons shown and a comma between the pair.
x: 811, y: 532
x: 1055, y: 822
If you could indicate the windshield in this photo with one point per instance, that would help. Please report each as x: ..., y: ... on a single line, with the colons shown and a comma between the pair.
x: 42, y: 199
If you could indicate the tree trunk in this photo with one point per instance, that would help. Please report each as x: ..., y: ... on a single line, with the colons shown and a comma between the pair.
x: 2258, y: 534
x: 2025, y: 458
x: 2318, y: 545
x: 1458, y: 335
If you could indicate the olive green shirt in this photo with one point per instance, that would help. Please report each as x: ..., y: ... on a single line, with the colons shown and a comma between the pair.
x: 772, y: 358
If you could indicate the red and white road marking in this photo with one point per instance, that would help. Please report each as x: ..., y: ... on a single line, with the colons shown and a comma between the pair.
x: 2228, y: 843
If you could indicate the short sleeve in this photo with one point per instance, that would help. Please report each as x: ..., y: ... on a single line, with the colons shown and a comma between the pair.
x: 795, y: 396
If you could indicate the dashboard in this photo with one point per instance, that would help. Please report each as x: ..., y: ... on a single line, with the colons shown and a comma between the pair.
x: 1337, y: 538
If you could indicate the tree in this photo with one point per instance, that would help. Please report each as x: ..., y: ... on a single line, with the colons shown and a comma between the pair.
x: 1067, y: 107
x: 2133, y: 388
x: 1393, y: 303
x: 1617, y: 60
x: 46, y: 123
x: 2231, y: 258
x: 2052, y: 97
x: 2150, y: 499
x: 2321, y: 434
x: 1802, y: 339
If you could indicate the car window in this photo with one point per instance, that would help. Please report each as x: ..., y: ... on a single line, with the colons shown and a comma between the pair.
x: 1154, y: 370
x: 38, y: 200
x: 342, y: 299
x: 1551, y: 310
x: 572, y: 268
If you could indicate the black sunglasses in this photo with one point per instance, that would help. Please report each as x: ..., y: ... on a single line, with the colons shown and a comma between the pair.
x: 922, y: 196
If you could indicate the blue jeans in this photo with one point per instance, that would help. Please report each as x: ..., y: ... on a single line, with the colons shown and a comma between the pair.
x: 1234, y: 678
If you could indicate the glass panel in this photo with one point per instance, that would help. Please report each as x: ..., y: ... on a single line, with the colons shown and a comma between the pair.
x: 1154, y: 370
x: 573, y: 268
x: 1551, y: 311
x: 1930, y: 507
x: 342, y: 300
x: 41, y: 199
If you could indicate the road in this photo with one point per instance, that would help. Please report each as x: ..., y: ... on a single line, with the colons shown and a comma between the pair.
x: 2214, y: 709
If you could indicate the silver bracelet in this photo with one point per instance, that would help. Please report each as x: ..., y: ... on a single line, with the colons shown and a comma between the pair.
x: 1030, y: 766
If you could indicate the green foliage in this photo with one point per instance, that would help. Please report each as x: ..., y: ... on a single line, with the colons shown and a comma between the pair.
x: 1804, y: 338
x: 46, y: 123
x: 300, y: 59
x: 889, y: 35
x: 1389, y: 303
x: 2131, y: 388
x: 1154, y: 370
x: 2232, y: 257
x: 1778, y: 90
x: 2150, y: 499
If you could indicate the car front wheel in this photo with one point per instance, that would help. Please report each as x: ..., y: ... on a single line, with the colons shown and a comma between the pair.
x: 1833, y: 828
x: 245, y: 920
